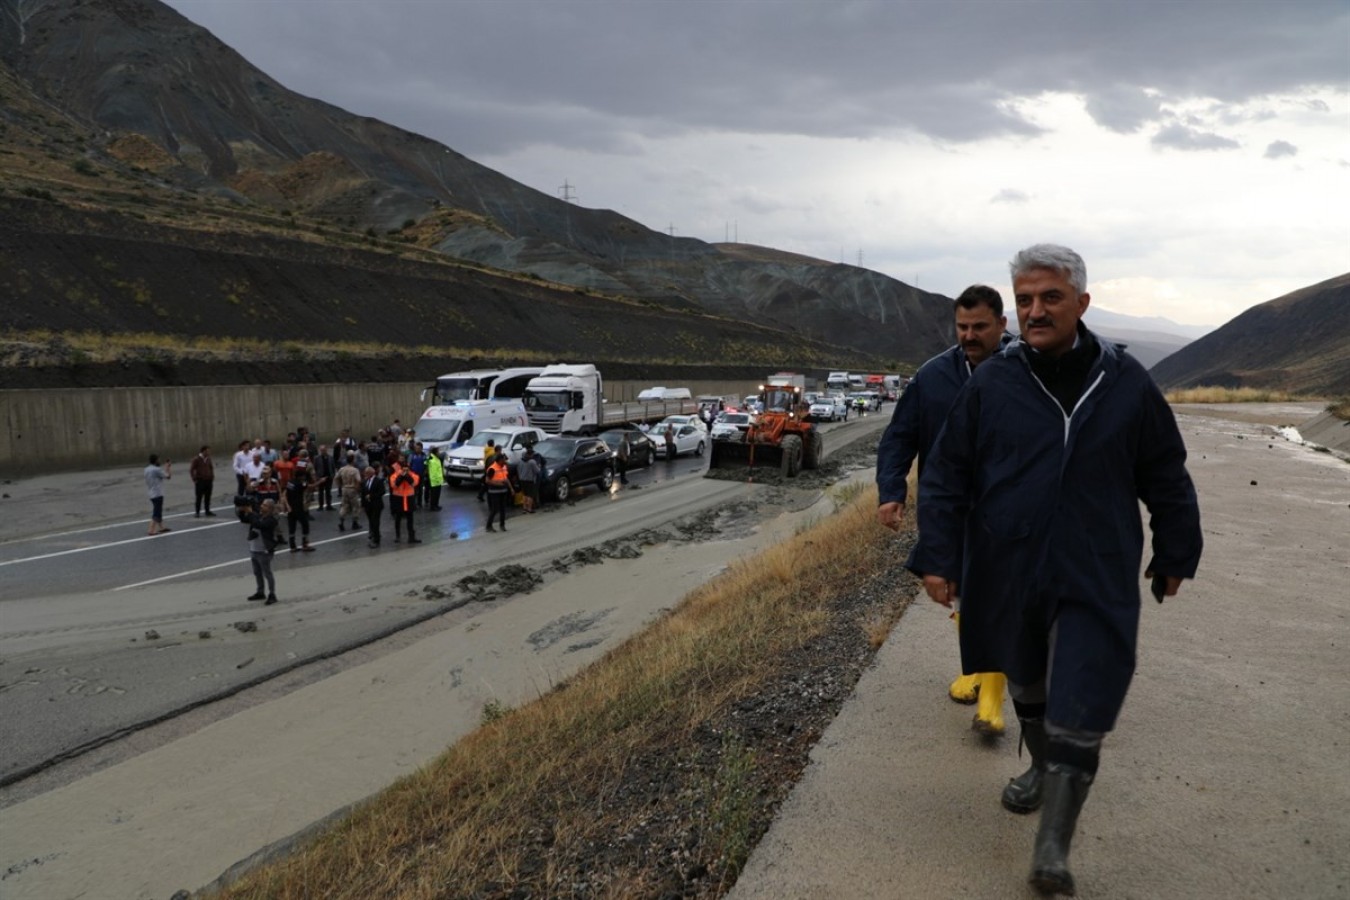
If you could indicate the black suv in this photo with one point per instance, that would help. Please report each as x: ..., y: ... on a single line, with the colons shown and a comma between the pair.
x: 641, y: 450
x: 571, y: 462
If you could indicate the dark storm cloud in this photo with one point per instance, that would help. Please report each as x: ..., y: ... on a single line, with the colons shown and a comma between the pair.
x: 1184, y: 137
x: 1278, y: 149
x: 489, y: 76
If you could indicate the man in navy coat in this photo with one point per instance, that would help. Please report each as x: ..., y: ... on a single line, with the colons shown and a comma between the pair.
x: 1041, y: 465
x: 981, y: 329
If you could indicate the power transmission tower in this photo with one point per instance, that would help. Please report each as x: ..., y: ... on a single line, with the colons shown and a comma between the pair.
x: 671, y: 229
x: 568, y: 192
x: 860, y: 257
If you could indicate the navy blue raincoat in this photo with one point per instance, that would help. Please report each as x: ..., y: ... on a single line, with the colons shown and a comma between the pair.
x: 918, y: 418
x: 1034, y: 513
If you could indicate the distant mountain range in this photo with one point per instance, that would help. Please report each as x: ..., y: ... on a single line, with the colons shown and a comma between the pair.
x: 126, y: 108
x: 153, y: 181
x: 1150, y: 339
x: 1299, y: 342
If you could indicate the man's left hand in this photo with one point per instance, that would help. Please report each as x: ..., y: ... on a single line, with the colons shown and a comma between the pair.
x: 1173, y: 583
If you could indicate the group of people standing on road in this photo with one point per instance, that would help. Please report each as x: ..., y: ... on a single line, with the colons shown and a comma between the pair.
x: 1034, y: 453
x: 392, y: 470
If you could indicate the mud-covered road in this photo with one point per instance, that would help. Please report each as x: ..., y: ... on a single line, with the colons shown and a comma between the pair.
x: 106, y: 632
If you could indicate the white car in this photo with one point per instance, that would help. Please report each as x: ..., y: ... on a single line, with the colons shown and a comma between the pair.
x: 865, y: 402
x: 689, y: 436
x: 466, y: 462
x: 682, y: 420
x: 828, y: 409
x: 731, y: 426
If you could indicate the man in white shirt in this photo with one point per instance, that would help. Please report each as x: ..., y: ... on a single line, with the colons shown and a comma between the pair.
x: 240, y: 467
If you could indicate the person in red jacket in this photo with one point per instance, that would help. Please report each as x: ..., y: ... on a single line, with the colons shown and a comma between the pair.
x: 403, y: 488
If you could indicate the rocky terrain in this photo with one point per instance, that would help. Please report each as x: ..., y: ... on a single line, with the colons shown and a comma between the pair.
x: 199, y: 198
x: 1298, y: 343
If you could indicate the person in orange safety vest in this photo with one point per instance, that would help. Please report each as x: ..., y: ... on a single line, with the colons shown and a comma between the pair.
x: 497, y: 479
x: 403, y: 486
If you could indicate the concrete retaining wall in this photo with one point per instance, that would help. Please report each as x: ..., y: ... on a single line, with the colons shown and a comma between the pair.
x: 1325, y: 430
x: 77, y: 428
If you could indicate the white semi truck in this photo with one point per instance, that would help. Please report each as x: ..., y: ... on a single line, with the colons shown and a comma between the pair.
x: 481, y: 384
x: 570, y: 399
x: 566, y: 399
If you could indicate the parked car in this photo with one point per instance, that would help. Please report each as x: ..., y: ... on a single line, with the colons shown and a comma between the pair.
x: 681, y: 420
x: 731, y: 426
x: 569, y: 463
x: 828, y: 409
x: 689, y: 436
x: 641, y: 450
x: 466, y: 462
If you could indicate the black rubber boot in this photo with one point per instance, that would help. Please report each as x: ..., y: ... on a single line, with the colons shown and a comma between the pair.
x: 1023, y: 793
x: 1065, y: 789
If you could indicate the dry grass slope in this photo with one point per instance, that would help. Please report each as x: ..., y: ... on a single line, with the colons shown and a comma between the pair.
x: 1209, y: 394
x: 554, y: 799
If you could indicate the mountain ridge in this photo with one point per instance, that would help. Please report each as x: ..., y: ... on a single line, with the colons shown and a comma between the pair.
x: 1299, y: 342
x: 169, y: 101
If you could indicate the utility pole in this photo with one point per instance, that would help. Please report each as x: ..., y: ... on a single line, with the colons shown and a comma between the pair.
x: 568, y: 192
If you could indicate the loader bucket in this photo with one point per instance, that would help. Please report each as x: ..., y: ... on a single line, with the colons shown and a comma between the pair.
x: 751, y: 457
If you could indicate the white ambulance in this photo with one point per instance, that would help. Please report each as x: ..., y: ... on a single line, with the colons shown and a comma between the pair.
x: 449, y: 425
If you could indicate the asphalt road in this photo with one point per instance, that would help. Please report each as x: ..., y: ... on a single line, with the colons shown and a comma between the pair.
x: 104, y: 629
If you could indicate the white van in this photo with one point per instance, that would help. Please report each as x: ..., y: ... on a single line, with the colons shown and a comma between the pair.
x: 452, y: 424
x: 664, y: 393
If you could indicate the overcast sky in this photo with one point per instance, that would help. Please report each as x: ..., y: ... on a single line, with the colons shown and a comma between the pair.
x: 1196, y: 153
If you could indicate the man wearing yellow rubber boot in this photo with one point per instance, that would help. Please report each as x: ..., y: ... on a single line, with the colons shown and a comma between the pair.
x: 915, y: 424
x: 1041, y: 465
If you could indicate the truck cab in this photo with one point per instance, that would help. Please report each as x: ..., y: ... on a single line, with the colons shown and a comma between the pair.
x: 565, y: 399
x: 481, y: 384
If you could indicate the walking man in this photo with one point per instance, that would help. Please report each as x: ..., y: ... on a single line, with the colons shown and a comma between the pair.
x: 349, y: 493
x: 1046, y: 454
x: 372, y: 501
x: 203, y: 474
x: 155, y: 476
x: 981, y: 329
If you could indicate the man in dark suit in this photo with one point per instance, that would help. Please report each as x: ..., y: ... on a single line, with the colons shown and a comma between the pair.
x: 372, y: 501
